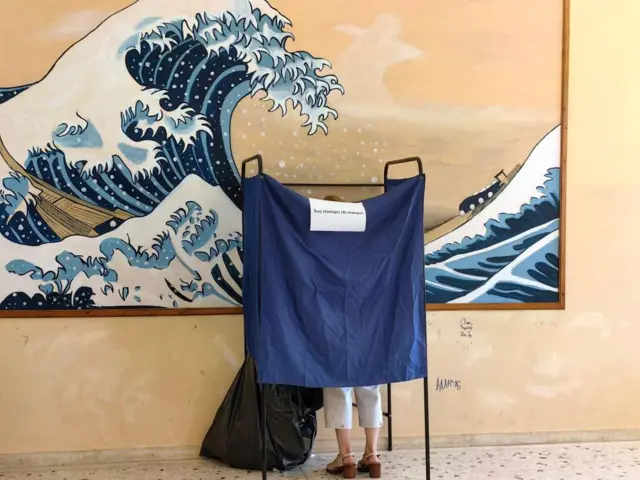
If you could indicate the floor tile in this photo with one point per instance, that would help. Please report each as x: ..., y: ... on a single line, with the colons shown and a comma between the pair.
x: 595, y: 461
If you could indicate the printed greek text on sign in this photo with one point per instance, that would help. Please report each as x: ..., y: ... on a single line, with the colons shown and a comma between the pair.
x: 329, y: 216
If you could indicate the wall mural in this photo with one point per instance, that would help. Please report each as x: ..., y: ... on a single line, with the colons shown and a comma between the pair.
x: 120, y: 140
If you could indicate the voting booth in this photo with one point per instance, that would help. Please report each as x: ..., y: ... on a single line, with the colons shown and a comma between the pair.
x: 334, y: 292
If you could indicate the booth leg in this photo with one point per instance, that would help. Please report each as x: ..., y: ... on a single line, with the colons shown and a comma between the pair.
x: 389, y: 419
x: 427, y: 443
x: 263, y: 431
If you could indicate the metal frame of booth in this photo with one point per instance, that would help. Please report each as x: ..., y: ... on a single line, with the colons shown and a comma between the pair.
x: 388, y: 413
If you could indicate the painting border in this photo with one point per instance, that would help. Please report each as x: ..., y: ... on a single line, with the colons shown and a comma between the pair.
x: 559, y: 305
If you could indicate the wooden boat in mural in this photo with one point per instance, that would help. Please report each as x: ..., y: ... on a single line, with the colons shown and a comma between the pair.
x: 477, y: 199
x: 64, y: 213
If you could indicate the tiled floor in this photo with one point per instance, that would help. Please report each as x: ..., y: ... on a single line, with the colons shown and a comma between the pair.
x: 597, y: 461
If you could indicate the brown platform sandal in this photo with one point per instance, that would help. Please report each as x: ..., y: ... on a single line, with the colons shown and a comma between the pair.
x: 343, y: 464
x: 371, y: 464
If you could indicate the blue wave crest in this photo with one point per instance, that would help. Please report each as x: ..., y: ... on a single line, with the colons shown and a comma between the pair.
x: 515, y: 260
x: 192, y: 74
x: 188, y: 230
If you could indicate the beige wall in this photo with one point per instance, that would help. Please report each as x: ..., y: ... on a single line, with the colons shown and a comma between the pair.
x: 120, y: 383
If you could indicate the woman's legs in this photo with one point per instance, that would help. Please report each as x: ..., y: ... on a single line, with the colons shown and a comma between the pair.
x: 338, y: 410
x: 370, y: 412
x: 372, y: 435
x: 338, y: 414
x: 344, y: 441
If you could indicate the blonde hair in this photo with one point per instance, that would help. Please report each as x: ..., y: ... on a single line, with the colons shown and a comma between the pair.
x: 333, y: 198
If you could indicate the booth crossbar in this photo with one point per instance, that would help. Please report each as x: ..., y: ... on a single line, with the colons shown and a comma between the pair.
x: 388, y: 413
x: 335, y: 185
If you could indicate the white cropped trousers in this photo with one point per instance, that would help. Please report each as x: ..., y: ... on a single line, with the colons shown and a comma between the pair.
x: 338, y: 407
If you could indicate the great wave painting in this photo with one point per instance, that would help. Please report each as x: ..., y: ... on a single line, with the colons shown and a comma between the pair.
x: 122, y: 125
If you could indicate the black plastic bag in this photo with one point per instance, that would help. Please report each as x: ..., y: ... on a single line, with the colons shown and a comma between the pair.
x: 234, y: 436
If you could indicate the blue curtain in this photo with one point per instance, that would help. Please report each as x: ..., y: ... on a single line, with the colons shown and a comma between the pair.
x: 327, y: 309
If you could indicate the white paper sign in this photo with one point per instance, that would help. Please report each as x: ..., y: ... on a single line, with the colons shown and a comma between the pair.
x: 329, y: 216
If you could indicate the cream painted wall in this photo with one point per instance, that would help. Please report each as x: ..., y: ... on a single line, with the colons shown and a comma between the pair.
x: 119, y: 383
